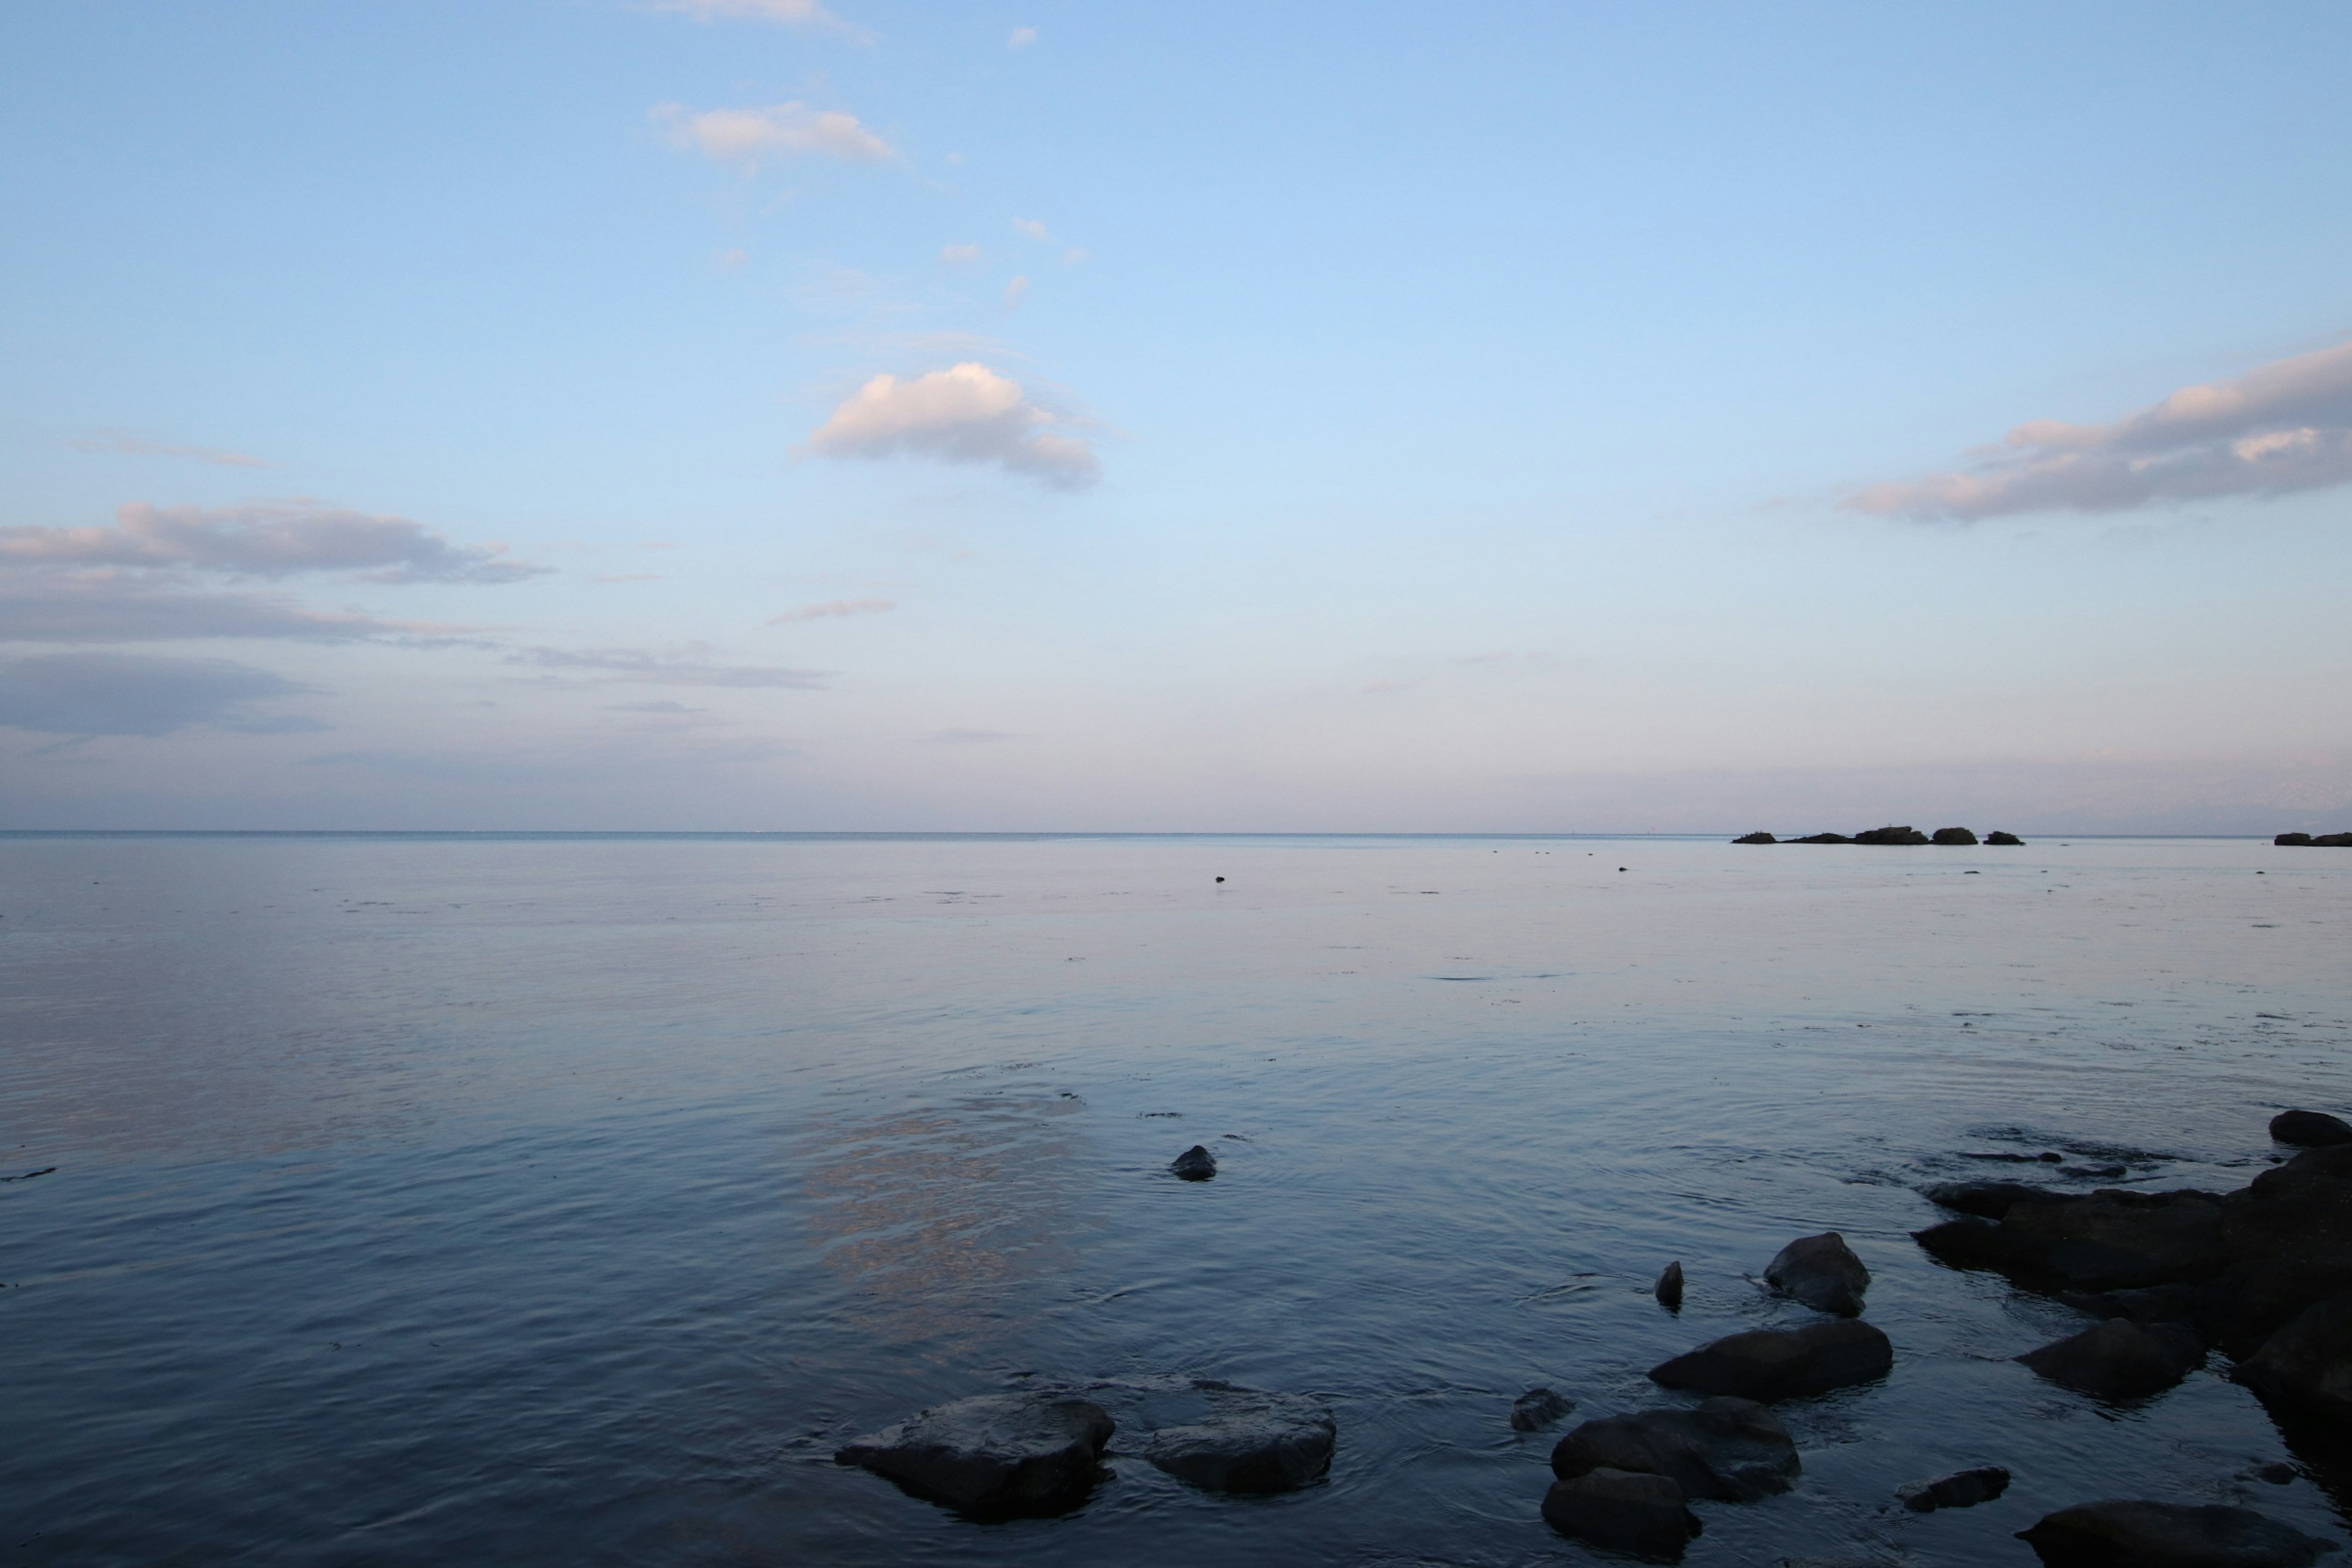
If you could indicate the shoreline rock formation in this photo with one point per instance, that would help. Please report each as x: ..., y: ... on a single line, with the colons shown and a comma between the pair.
x: 2309, y: 841
x: 1948, y: 837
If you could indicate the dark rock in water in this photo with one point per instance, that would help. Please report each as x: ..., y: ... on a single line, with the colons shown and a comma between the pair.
x: 2291, y: 840
x: 2278, y: 1474
x: 2289, y: 1237
x: 2123, y: 1534
x: 1756, y: 838
x: 2308, y: 1364
x: 2007, y: 840
x: 1733, y: 1450
x: 1194, y: 1164
x: 1951, y: 835
x: 2182, y: 1304
x: 996, y: 1453
x: 1823, y: 1272
x: 2333, y: 840
x: 2309, y: 1128
x: 1961, y: 1488
x: 1249, y: 1442
x: 1641, y: 1515
x: 1669, y: 1287
x: 2108, y: 1240
x: 1538, y: 1408
x: 1987, y: 1200
x: 1822, y: 838
x: 1891, y: 836
x: 1781, y: 1363
x: 2120, y: 1359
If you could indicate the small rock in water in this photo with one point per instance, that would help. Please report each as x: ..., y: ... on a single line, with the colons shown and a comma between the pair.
x: 1823, y: 1272
x: 1194, y: 1164
x: 1781, y: 1363
x: 2277, y: 1472
x: 1961, y: 1488
x: 1538, y: 1408
x: 1733, y: 1450
x: 1249, y: 1442
x: 2309, y: 1128
x: 2120, y: 1532
x: 1641, y: 1515
x: 1670, y: 1286
x: 995, y: 1453
x: 2120, y: 1359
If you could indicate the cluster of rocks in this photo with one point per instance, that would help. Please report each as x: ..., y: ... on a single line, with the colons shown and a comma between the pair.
x: 1895, y: 836
x: 2324, y: 841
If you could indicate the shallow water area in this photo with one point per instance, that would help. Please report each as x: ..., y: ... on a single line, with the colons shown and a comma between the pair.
x: 561, y: 1199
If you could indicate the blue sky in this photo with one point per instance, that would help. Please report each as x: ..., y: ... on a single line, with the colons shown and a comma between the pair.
x: 746, y: 414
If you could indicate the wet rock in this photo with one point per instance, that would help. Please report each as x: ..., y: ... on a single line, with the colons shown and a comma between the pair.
x: 996, y: 1453
x: 1538, y: 1408
x: 2108, y: 1240
x: 2123, y: 1534
x: 2181, y: 1304
x: 1781, y: 1363
x: 2289, y: 1237
x: 2120, y: 1359
x: 2008, y: 840
x: 1194, y: 1164
x: 1961, y: 1488
x: 1641, y: 1515
x: 1669, y: 1287
x: 1756, y: 838
x: 1822, y: 838
x: 2277, y: 1473
x: 1733, y: 1450
x: 1987, y: 1200
x: 2310, y: 1129
x: 1250, y: 1441
x: 1951, y: 835
x: 1891, y: 836
x: 1823, y: 1272
x: 2308, y: 1364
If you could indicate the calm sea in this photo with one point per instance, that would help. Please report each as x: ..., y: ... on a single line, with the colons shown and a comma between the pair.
x: 566, y: 1200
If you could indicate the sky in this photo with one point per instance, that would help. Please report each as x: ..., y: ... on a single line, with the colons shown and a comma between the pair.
x: 866, y: 416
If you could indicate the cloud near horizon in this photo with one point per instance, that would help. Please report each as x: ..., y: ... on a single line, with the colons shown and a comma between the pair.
x: 265, y: 539
x: 2283, y: 427
x: 967, y: 414
x: 750, y: 136
x: 834, y: 608
x: 90, y: 694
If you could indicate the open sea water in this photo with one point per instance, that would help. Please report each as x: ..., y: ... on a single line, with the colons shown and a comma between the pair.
x: 565, y: 1200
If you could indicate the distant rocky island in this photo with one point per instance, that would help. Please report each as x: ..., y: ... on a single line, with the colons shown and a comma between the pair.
x: 1893, y: 836
x: 2305, y: 841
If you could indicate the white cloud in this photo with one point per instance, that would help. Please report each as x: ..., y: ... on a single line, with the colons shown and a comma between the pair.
x: 1033, y: 227
x: 750, y: 136
x: 132, y: 443
x: 834, y: 608
x: 1022, y: 38
x: 1014, y: 290
x: 967, y: 414
x: 266, y: 539
x: 959, y: 255
x: 86, y: 694
x: 2286, y: 426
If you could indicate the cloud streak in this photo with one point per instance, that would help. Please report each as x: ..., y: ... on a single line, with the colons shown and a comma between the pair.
x: 133, y: 444
x: 834, y: 608
x: 90, y: 694
x: 689, y: 666
x: 112, y: 607
x: 2285, y: 427
x: 787, y: 12
x: 967, y: 414
x: 754, y: 136
x: 268, y: 539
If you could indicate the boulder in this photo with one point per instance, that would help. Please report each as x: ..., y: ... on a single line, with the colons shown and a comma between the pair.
x: 1823, y: 1272
x: 2307, y: 1365
x: 996, y: 1453
x: 2124, y: 1533
x: 1641, y: 1515
x: 2180, y: 1304
x: 1733, y: 1450
x: 1669, y: 1288
x: 1891, y: 836
x: 2289, y: 1238
x: 1781, y: 1363
x: 1961, y: 1488
x: 2008, y: 840
x: 2291, y: 840
x: 1987, y: 1200
x: 2108, y: 1240
x: 2120, y: 1359
x: 1249, y: 1441
x: 1194, y: 1164
x: 1538, y: 1408
x: 1951, y: 835
x: 2310, y: 1129
x: 1756, y: 838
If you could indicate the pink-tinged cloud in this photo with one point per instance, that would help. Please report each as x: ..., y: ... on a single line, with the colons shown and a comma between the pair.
x: 131, y: 443
x: 265, y: 539
x: 833, y: 607
x: 2286, y: 426
x: 967, y: 414
x: 754, y: 136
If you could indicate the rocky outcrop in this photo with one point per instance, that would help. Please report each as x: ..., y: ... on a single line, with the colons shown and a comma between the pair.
x: 1823, y: 1272
x: 1961, y: 1488
x: 1985, y: 1200
x: 1194, y: 1164
x: 1768, y: 1365
x: 1951, y: 835
x: 2293, y: 840
x: 1822, y: 838
x: 2306, y: 1366
x: 2124, y: 1533
x: 1247, y: 1441
x: 1733, y: 1450
x: 2309, y: 1130
x: 1891, y: 836
x: 2110, y: 1239
x: 2307, y: 841
x: 2120, y: 1359
x: 1538, y: 1408
x: 992, y: 1454
x: 2006, y: 840
x: 1643, y: 1516
x: 1756, y: 838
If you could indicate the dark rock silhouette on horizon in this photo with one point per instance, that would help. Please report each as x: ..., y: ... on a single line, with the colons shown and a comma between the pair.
x: 1951, y: 835
x: 1768, y: 1365
x: 1756, y: 838
x: 2121, y: 1533
x: 1643, y: 1516
x: 994, y: 1453
x: 2311, y: 841
x: 1891, y: 835
x: 2007, y: 840
x: 1823, y: 1272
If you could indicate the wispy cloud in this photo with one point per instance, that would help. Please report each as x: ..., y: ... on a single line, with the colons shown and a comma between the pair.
x: 1015, y: 292
x: 689, y: 666
x: 90, y: 694
x: 1022, y: 38
x: 789, y: 13
x: 267, y: 539
x: 832, y: 607
x: 2286, y: 426
x: 959, y: 255
x: 132, y: 443
x: 109, y: 607
x: 1033, y: 227
x: 753, y: 136
x: 967, y: 414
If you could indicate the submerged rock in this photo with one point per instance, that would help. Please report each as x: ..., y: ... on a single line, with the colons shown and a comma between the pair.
x: 2120, y: 1359
x: 1733, y: 1450
x: 2124, y: 1533
x: 1961, y: 1488
x: 995, y: 1453
x: 1669, y: 1287
x: 1987, y: 1200
x: 1249, y: 1441
x: 2180, y: 1304
x: 1951, y: 835
x: 1781, y: 1363
x: 1641, y: 1515
x: 1823, y: 1272
x: 2310, y: 1129
x: 1538, y: 1408
x: 2308, y: 1364
x: 1194, y: 1164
